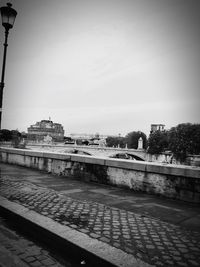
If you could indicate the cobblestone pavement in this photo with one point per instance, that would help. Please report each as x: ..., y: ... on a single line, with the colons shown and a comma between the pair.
x: 17, y: 250
x: 153, y: 241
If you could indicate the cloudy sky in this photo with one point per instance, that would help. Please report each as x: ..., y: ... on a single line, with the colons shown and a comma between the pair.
x: 107, y: 66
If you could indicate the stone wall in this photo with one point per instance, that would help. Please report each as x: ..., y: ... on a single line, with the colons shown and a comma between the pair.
x: 173, y: 181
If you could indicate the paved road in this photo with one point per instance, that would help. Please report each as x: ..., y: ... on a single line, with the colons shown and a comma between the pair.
x: 160, y: 232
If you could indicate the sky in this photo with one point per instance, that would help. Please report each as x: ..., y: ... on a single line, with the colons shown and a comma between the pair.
x: 106, y: 66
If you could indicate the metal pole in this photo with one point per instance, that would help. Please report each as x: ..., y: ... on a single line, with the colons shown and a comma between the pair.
x: 3, y: 73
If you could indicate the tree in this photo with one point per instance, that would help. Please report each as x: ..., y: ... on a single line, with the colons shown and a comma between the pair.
x: 184, y: 139
x: 115, y: 141
x: 158, y: 142
x: 5, y: 135
x: 131, y: 139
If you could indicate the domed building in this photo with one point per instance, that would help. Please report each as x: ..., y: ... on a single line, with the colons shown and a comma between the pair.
x: 44, y: 128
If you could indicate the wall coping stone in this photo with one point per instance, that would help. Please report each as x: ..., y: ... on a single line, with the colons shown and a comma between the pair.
x: 88, y: 159
x: 126, y: 164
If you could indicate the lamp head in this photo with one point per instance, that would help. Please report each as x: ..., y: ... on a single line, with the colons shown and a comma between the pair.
x: 8, y: 15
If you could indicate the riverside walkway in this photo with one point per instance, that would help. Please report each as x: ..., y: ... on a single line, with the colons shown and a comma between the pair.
x: 153, y: 231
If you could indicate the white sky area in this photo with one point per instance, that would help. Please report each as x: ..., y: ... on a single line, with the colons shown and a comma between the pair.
x: 107, y: 66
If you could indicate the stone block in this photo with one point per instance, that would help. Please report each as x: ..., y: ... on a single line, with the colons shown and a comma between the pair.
x: 60, y: 156
x: 95, y: 161
x: 176, y: 170
x: 33, y: 153
x: 126, y: 164
x: 88, y: 159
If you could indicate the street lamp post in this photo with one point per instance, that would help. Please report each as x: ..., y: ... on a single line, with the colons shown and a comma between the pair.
x: 8, y: 16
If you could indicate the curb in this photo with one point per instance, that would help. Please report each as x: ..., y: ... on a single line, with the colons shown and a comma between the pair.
x: 70, y: 241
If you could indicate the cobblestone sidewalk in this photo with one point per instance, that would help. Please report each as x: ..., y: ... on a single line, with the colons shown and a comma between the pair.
x: 153, y: 241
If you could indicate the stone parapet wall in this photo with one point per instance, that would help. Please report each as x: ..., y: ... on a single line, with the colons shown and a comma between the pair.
x: 173, y: 181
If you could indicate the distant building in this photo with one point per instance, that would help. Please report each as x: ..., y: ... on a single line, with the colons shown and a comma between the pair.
x: 44, y: 128
x: 157, y: 127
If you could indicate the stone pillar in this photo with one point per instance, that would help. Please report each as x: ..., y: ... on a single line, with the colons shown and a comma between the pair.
x: 140, y: 143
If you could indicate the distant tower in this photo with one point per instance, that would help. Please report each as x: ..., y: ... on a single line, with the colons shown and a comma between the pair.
x: 157, y: 127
